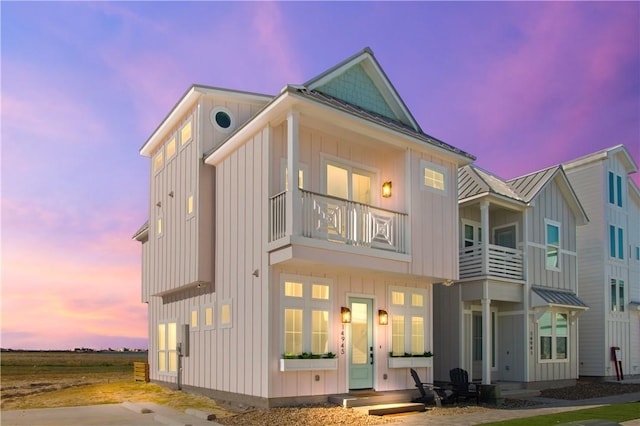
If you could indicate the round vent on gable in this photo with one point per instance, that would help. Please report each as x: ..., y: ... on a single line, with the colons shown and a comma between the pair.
x: 222, y: 120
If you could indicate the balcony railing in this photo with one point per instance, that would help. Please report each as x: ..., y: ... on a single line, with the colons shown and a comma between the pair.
x: 341, y: 221
x: 503, y: 262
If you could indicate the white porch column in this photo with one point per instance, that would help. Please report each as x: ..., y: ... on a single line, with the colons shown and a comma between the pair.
x: 486, y: 337
x: 484, y: 235
x: 293, y: 215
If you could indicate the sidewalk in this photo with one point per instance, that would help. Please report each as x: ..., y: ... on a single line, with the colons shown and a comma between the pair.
x: 550, y: 406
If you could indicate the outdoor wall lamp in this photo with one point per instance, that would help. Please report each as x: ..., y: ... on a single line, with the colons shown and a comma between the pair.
x: 383, y: 317
x: 386, y: 189
x: 345, y: 315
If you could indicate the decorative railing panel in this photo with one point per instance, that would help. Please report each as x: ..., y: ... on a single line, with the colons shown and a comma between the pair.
x: 341, y: 221
x: 502, y: 262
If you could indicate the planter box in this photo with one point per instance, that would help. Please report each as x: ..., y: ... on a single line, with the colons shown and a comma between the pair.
x: 308, y: 364
x: 410, y: 362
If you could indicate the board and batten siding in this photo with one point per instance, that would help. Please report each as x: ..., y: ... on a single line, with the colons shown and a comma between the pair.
x: 551, y: 204
x: 345, y: 285
x: 447, y: 330
x: 588, y: 183
x: 241, y: 199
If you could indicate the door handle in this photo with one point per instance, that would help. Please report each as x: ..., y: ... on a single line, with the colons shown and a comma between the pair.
x: 371, y: 354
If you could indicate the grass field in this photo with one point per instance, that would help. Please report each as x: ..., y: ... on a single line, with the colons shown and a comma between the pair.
x: 59, y: 379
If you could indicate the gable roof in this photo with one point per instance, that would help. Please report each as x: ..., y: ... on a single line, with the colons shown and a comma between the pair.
x: 617, y: 150
x: 361, y: 81
x: 474, y: 182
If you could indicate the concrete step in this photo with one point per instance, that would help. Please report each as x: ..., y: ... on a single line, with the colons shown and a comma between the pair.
x: 386, y: 409
x: 361, y: 399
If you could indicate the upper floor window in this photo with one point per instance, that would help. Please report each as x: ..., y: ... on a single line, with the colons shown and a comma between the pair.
x: 222, y: 119
x: 408, y: 320
x: 171, y: 148
x: 553, y: 333
x: 617, y: 295
x: 306, y: 308
x: 349, y: 183
x: 616, y: 242
x: 434, y: 177
x: 186, y: 133
x: 190, y: 205
x: 615, y: 189
x: 472, y: 234
x: 158, y: 161
x: 552, y: 243
x: 302, y: 171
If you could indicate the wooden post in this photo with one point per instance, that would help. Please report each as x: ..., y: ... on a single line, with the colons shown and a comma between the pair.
x: 141, y: 371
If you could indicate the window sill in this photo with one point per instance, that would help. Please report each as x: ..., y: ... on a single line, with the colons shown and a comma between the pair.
x: 410, y: 362
x: 308, y: 364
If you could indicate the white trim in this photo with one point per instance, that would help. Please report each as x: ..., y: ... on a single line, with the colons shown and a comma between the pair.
x: 194, y: 310
x: 446, y: 179
x: 351, y: 167
x: 214, y: 122
x: 407, y: 310
x: 553, y: 312
x: 301, y: 167
x: 203, y: 320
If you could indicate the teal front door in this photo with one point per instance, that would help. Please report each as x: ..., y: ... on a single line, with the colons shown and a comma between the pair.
x: 361, y: 344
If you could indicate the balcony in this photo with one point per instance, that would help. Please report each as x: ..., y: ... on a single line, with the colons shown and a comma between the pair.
x: 503, y: 262
x: 340, y: 221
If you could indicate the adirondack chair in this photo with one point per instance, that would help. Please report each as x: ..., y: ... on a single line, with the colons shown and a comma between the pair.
x: 428, y: 395
x: 461, y: 386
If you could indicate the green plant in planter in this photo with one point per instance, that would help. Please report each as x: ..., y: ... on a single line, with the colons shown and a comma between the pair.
x: 330, y: 355
x: 289, y: 356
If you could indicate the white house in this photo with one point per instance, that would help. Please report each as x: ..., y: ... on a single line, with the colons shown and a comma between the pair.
x: 273, y: 218
x: 609, y: 261
x: 512, y: 314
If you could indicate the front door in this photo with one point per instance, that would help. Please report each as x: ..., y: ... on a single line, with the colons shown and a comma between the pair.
x: 361, y: 344
x: 477, y: 343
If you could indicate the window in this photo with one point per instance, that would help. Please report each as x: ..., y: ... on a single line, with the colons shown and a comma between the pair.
x: 617, y: 295
x: 222, y: 119
x: 408, y: 321
x: 167, y: 345
x: 553, y: 245
x: 637, y: 253
x: 207, y: 319
x: 159, y: 225
x: 472, y: 234
x: 553, y: 332
x: 171, y: 148
x: 616, y: 242
x: 306, y: 320
x: 615, y: 189
x: 185, y: 133
x: 190, y: 205
x: 434, y: 177
x: 349, y: 183
x: 302, y: 171
x: 193, y: 321
x: 158, y: 162
x: 226, y: 314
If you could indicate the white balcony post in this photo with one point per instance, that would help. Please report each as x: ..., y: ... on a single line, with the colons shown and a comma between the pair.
x: 484, y: 224
x: 293, y: 217
x: 486, y: 337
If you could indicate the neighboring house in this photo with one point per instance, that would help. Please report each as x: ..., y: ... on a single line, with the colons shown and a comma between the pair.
x: 609, y: 260
x: 511, y: 315
x: 271, y: 218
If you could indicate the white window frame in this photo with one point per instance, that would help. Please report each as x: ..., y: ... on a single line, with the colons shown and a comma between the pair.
x: 158, y: 161
x: 172, y: 140
x: 167, y: 351
x: 616, y: 189
x: 617, y: 301
x: 477, y: 233
x: 194, y: 326
x: 307, y: 304
x: 352, y: 167
x: 226, y: 310
x: 616, y: 242
x: 408, y: 311
x: 554, y: 336
x: 203, y: 320
x: 214, y: 122
x: 424, y: 164
x: 188, y: 122
x: 547, y: 245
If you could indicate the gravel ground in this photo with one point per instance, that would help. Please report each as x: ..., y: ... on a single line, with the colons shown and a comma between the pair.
x: 334, y: 415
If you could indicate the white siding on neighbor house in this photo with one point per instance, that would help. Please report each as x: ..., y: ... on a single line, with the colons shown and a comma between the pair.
x: 634, y: 283
x: 551, y: 204
x: 345, y: 285
x: 588, y: 184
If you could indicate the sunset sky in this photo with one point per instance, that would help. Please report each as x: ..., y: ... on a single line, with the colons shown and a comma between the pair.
x: 521, y: 85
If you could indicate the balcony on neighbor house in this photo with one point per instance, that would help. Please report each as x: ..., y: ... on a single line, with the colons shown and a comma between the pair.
x: 502, y: 262
x: 336, y: 220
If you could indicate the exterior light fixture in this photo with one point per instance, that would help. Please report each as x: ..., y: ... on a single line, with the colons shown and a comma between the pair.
x: 383, y: 317
x: 386, y: 189
x: 345, y: 315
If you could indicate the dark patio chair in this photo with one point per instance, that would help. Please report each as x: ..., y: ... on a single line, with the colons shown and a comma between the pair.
x: 461, y: 387
x: 429, y: 394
